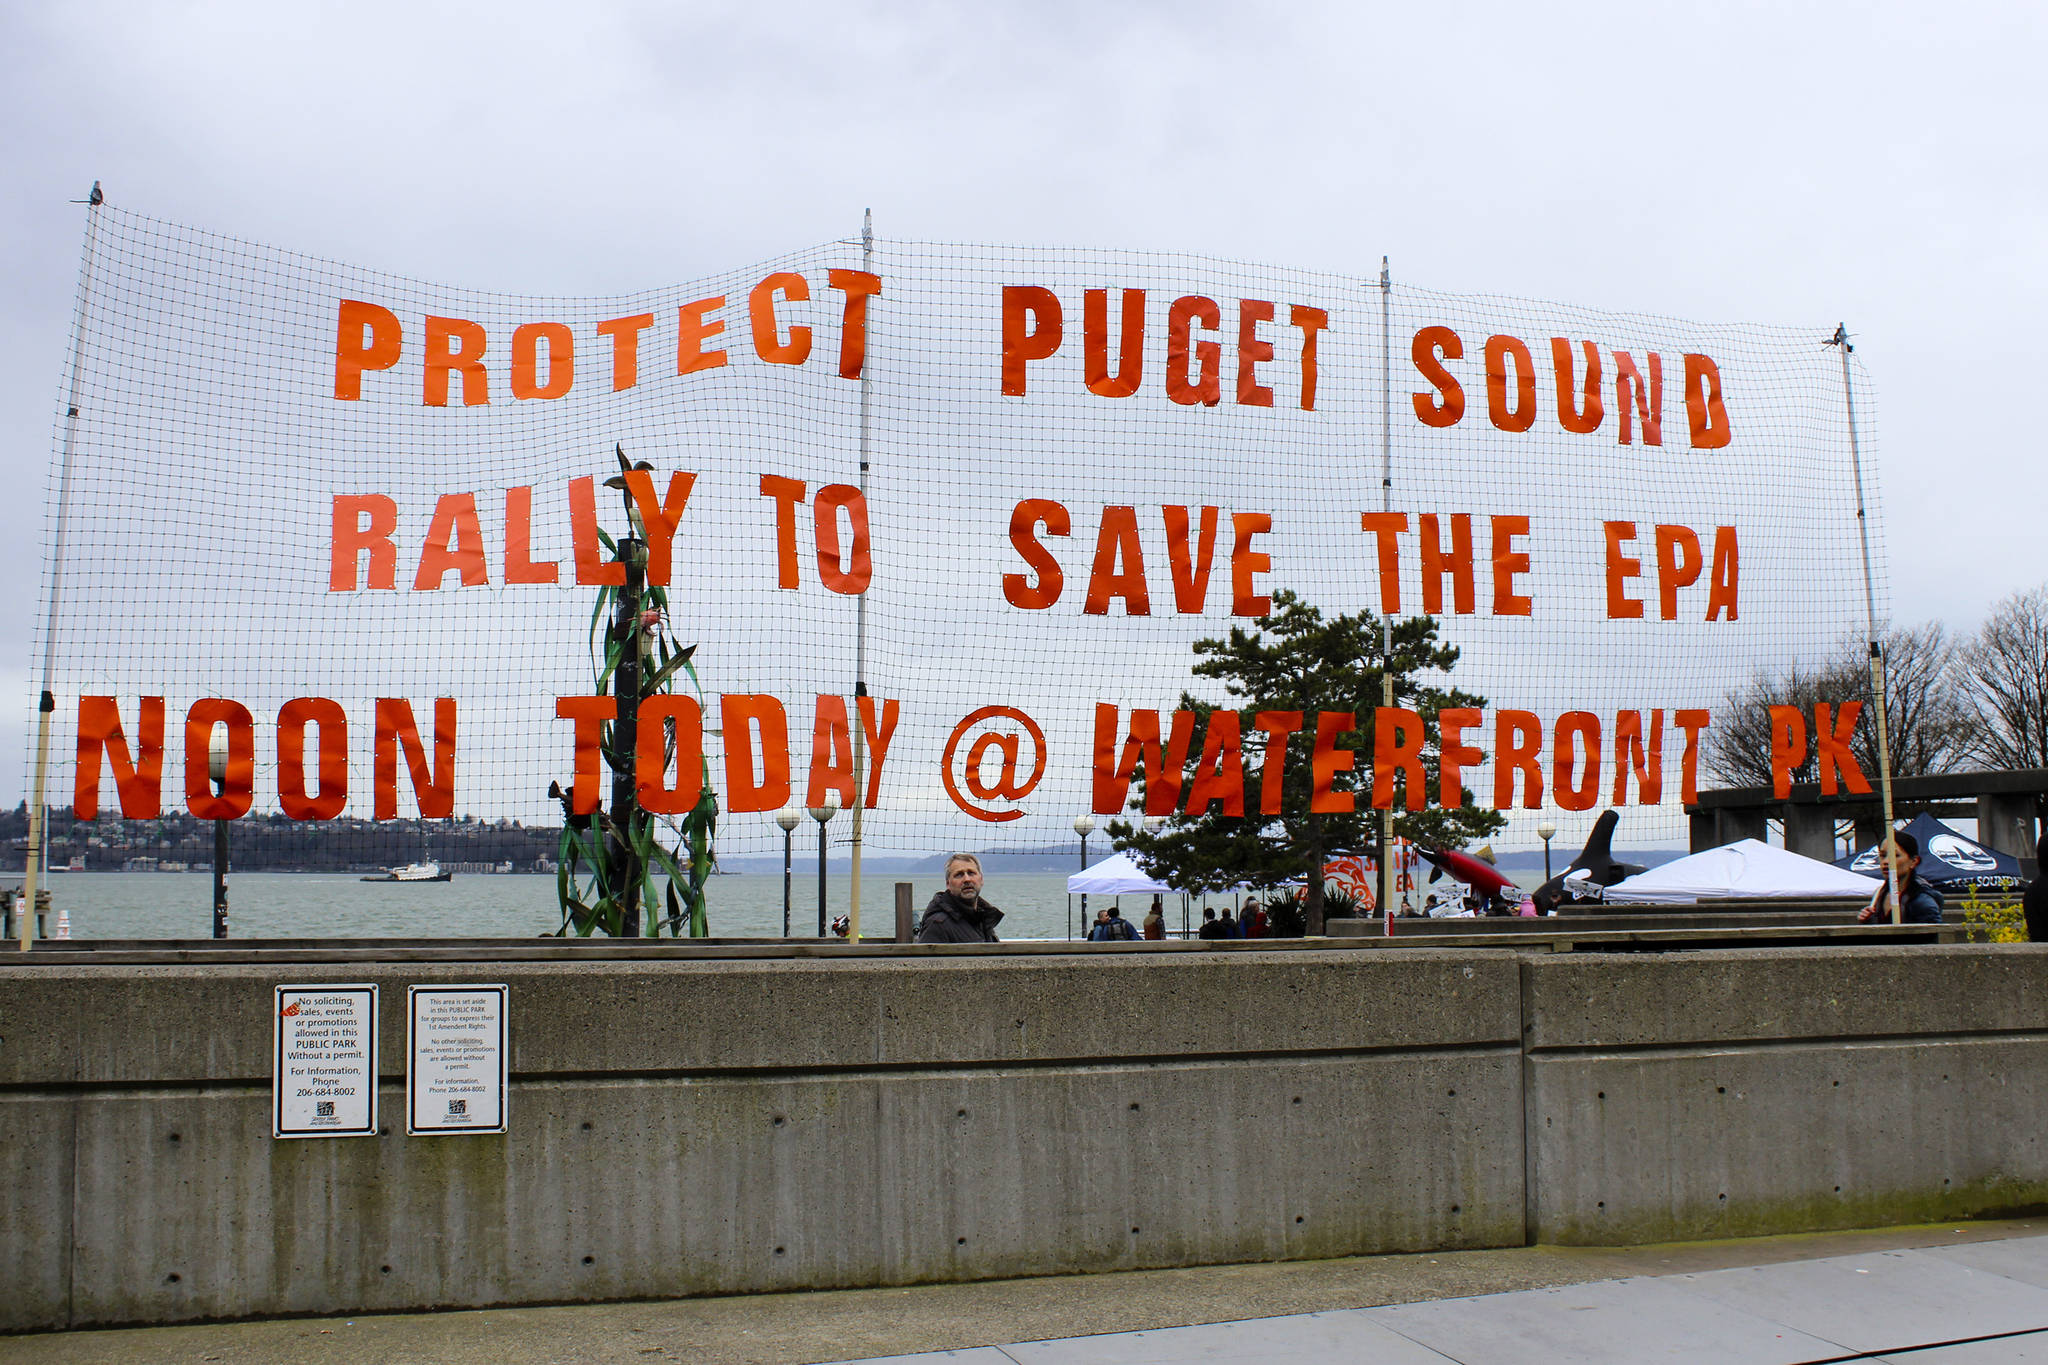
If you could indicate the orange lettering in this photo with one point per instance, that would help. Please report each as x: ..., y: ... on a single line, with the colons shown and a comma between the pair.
x: 350, y: 538
x: 455, y: 345
x: 850, y: 571
x: 1446, y: 405
x: 586, y: 790
x: 787, y: 494
x: 858, y: 286
x: 526, y: 360
x: 1438, y: 565
x: 454, y: 542
x: 591, y: 565
x: 1219, y: 773
x: 1310, y: 321
x: 1117, y: 539
x: 140, y: 780
x: 1454, y: 755
x: 1575, y: 729
x: 667, y: 724
x: 1621, y: 568
x: 740, y: 715
x: 1648, y: 400
x: 1517, y: 744
x: 660, y: 516
x: 768, y: 342
x: 1384, y: 526
x: 1678, y: 566
x: 396, y: 731
x: 1019, y: 589
x: 519, y: 563
x: 1522, y: 415
x: 1704, y: 413
x: 355, y: 352
x: 1246, y: 564
x: 237, y: 787
x: 1570, y: 414
x: 625, y: 338
x: 1207, y: 387
x: 1397, y: 738
x: 1190, y: 573
x: 292, y: 797
x: 1095, y: 343
x: 1252, y: 352
x: 1276, y: 726
x: 1727, y: 570
x: 693, y: 329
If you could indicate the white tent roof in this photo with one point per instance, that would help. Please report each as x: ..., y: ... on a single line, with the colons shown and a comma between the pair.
x: 1743, y: 868
x: 1116, y: 875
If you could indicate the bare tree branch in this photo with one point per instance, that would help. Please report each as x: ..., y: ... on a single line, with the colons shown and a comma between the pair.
x: 1931, y: 728
x: 2004, y: 676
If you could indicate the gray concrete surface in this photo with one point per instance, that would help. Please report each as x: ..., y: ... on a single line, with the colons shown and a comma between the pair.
x: 1057, y: 1317
x: 1897, y: 1304
x: 1738, y: 1094
x: 706, y: 1126
x: 712, y: 1125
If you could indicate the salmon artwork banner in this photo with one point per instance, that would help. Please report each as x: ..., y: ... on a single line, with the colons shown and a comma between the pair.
x: 353, y: 526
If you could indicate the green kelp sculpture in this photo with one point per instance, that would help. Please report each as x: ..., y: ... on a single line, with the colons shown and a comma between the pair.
x: 613, y: 864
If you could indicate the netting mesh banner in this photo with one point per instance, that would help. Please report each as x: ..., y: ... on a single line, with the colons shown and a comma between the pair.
x: 358, y: 524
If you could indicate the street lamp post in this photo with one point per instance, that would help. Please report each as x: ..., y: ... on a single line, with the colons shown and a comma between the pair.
x: 1545, y: 832
x: 787, y: 817
x: 217, y: 769
x: 823, y: 814
x: 1084, y: 825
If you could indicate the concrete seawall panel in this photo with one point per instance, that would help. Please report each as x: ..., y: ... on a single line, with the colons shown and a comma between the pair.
x: 1731, y: 1094
x: 716, y: 1126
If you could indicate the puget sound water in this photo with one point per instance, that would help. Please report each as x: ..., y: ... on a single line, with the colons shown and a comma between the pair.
x: 318, y: 905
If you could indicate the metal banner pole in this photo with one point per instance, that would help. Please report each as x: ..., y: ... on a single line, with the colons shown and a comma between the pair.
x: 46, y: 705
x: 1386, y: 625
x: 1884, y: 751
x: 860, y: 607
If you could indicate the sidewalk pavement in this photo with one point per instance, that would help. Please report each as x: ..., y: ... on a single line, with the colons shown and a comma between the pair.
x: 1819, y: 1297
x: 1982, y: 1303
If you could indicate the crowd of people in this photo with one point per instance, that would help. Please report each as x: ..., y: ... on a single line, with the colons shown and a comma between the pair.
x: 960, y: 914
x: 1111, y: 927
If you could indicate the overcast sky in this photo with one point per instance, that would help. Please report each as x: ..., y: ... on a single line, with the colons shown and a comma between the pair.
x: 1765, y: 163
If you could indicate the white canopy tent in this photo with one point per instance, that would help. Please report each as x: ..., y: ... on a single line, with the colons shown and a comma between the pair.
x: 1116, y: 875
x: 1744, y: 869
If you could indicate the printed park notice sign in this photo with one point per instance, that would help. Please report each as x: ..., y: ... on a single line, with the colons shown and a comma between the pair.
x: 456, y: 1080
x: 324, y: 1073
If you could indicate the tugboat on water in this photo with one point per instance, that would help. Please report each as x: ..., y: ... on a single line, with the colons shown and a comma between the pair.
x: 425, y: 870
x: 428, y: 871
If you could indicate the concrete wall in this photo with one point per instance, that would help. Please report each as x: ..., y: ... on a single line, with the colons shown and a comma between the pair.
x: 713, y: 1125
x: 1733, y: 1094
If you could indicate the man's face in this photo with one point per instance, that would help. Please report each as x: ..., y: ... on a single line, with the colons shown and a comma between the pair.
x: 964, y: 881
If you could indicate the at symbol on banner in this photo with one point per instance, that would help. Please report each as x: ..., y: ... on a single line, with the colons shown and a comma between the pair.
x: 995, y: 745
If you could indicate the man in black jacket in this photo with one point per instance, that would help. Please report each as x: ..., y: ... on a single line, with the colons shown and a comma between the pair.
x: 959, y: 914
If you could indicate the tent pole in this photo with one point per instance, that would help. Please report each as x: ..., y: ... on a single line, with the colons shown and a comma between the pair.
x: 1386, y: 820
x: 46, y: 704
x: 1884, y: 752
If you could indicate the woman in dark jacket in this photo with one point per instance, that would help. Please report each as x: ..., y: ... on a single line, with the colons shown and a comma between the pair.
x: 1922, y: 902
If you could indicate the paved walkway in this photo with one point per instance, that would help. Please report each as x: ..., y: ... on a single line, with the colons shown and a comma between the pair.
x: 1984, y: 1303
x: 1824, y: 1297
